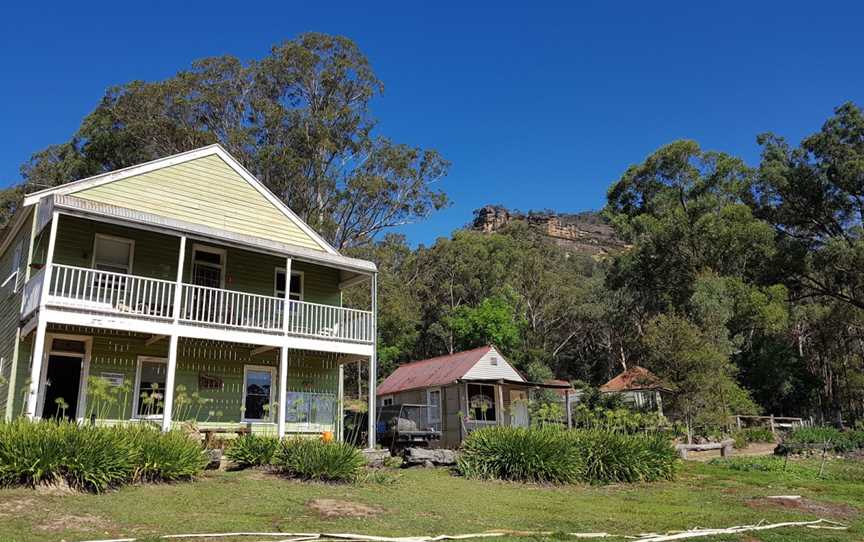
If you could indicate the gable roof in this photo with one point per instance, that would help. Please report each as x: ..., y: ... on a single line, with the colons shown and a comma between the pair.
x: 634, y: 378
x: 234, y: 199
x: 437, y: 371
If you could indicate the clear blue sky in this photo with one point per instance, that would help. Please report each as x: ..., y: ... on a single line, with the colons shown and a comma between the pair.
x: 537, y: 105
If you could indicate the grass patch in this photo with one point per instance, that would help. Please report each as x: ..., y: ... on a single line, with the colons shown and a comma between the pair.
x: 430, y: 502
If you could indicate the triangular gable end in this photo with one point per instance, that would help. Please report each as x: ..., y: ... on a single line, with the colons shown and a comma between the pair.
x: 493, y: 366
x: 207, y: 187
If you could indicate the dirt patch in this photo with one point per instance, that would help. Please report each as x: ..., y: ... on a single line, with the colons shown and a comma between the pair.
x: 333, y: 508
x: 16, y: 507
x: 58, y: 488
x: 69, y: 522
x: 816, y: 508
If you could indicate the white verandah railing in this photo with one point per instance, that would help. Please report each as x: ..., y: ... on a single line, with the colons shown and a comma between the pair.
x: 131, y: 295
x: 317, y: 320
x: 31, y: 294
x: 106, y: 291
x: 215, y: 306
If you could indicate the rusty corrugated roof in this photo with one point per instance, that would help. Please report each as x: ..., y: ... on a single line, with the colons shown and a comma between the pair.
x: 634, y: 378
x: 438, y: 371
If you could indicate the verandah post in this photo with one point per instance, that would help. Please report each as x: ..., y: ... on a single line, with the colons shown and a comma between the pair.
x: 283, y: 354
x: 42, y: 324
x: 168, y: 400
x: 373, y: 363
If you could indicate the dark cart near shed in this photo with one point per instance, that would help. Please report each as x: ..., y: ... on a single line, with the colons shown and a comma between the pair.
x: 403, y: 426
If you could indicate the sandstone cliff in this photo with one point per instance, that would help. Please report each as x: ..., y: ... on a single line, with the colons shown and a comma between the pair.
x: 585, y: 233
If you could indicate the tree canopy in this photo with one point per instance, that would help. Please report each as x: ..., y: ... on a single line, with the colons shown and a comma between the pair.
x: 299, y: 119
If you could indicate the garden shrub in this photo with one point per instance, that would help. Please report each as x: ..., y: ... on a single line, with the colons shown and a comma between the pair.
x: 93, y: 458
x: 252, y: 450
x: 838, y: 441
x: 165, y: 457
x: 552, y: 454
x: 748, y: 435
x: 610, y: 457
x: 541, y: 454
x: 313, y: 459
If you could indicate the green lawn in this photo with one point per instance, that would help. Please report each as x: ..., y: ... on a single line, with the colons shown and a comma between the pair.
x: 434, y: 502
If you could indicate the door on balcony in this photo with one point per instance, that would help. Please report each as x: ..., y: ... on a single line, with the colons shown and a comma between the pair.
x: 208, y: 267
x: 208, y: 270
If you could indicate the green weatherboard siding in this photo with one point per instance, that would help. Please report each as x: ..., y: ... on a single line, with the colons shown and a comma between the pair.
x: 204, y: 191
x: 14, y: 261
x: 155, y: 256
x: 114, y: 357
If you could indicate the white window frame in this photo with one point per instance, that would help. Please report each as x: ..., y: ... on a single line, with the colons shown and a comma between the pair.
x: 130, y: 242
x: 259, y: 368
x: 288, y: 284
x: 385, y: 399
x: 197, y: 247
x: 136, y: 392
x: 429, y: 409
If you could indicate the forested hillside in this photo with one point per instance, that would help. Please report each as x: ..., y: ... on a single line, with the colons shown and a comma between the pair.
x: 741, y: 286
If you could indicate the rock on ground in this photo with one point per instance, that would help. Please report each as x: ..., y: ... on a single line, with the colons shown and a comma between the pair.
x: 420, y: 456
x: 376, y: 458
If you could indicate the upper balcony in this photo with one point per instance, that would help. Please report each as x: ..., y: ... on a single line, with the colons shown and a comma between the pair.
x: 113, y: 270
x: 92, y: 290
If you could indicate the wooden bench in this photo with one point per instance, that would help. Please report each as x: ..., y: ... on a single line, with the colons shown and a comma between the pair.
x: 725, y: 447
x: 210, y: 433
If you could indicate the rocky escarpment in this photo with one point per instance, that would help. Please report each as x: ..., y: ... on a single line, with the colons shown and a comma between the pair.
x: 585, y: 233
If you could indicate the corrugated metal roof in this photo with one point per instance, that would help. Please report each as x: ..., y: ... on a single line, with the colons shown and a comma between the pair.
x: 634, y: 378
x: 438, y: 371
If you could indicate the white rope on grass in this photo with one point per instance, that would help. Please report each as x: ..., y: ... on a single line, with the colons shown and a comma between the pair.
x: 701, y: 533
x: 652, y: 537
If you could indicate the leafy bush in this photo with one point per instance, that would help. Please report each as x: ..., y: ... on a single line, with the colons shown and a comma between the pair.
x: 610, y: 457
x: 93, y: 458
x: 551, y: 454
x: 165, y: 457
x: 252, y: 450
x: 745, y: 436
x: 313, y: 459
x: 838, y: 441
x: 541, y: 454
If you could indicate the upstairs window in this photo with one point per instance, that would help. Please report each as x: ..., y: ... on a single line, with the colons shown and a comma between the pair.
x: 296, y: 293
x: 113, y: 254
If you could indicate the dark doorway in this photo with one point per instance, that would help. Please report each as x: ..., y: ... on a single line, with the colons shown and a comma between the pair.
x: 63, y: 380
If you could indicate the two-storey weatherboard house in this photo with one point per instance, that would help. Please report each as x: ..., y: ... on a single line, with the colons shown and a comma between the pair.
x: 177, y: 290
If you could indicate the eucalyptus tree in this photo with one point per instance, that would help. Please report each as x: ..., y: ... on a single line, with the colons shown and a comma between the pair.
x: 299, y: 119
